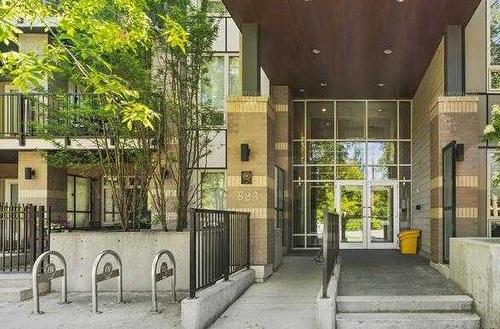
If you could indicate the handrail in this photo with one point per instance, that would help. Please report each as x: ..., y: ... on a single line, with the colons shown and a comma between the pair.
x: 331, y: 240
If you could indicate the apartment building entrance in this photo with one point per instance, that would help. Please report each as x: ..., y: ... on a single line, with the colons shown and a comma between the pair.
x: 352, y: 157
x: 368, y: 214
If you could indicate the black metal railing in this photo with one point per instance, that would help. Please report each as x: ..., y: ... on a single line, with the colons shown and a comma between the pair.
x: 219, y: 246
x: 24, y: 235
x: 20, y: 114
x: 331, y: 240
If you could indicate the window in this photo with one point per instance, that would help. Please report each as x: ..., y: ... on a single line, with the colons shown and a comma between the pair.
x: 78, y: 201
x: 111, y: 211
x: 494, y: 195
x: 494, y: 44
x: 222, y: 80
x: 216, y: 7
x: 213, y: 190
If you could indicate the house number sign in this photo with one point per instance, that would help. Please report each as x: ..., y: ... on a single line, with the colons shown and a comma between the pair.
x: 248, y: 196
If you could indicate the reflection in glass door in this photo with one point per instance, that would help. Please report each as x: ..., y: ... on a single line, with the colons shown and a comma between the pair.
x: 368, y: 214
x: 350, y: 207
x: 382, y: 214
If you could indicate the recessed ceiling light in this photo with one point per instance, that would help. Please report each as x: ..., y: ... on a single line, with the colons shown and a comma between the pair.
x: 381, y: 84
x: 324, y: 85
x: 400, y: 1
x: 388, y: 52
x: 323, y: 110
x: 316, y: 51
x: 379, y: 110
x: 302, y: 90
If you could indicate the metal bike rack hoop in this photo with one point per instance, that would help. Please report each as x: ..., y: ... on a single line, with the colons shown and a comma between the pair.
x: 165, y: 272
x: 50, y: 273
x: 107, y: 273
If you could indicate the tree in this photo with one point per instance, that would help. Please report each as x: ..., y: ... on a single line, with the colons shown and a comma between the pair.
x: 187, y: 118
x: 105, y: 48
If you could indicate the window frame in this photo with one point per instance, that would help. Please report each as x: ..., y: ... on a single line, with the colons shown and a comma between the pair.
x: 74, y: 212
x: 491, y: 68
x: 200, y: 189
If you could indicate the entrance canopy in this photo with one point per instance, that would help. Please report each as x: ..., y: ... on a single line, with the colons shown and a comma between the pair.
x: 350, y: 48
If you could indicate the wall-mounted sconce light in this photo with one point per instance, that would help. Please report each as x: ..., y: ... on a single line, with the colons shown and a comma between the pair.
x: 245, y: 152
x: 29, y: 173
x: 460, y: 152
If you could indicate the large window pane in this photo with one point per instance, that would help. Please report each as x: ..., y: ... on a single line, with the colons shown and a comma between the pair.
x: 320, y: 123
x: 405, y: 153
x: 212, y: 190
x: 350, y: 173
x: 382, y: 173
x: 320, y: 152
x: 299, y: 152
x: 234, y: 76
x: 404, y: 120
x: 351, y: 153
x: 381, y: 153
x: 298, y: 208
x: 382, y: 120
x: 321, y: 173
x: 212, y: 90
x: 298, y: 120
x: 70, y: 191
x: 319, y: 198
x: 82, y: 194
x: 495, y: 32
x: 351, y: 119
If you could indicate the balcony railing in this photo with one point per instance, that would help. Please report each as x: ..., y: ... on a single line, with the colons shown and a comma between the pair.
x: 20, y: 114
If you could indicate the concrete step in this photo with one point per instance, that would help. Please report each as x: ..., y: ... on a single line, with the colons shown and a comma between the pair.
x: 16, y: 294
x: 374, y: 304
x: 15, y: 280
x: 408, y: 321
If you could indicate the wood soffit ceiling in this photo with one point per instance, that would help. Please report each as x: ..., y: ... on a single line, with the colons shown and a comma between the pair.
x: 352, y: 36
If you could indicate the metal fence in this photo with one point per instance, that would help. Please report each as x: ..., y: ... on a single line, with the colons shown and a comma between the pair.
x: 331, y: 240
x: 21, y: 113
x: 219, y: 246
x: 24, y: 235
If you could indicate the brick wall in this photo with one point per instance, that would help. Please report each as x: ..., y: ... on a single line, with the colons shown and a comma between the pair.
x: 431, y: 87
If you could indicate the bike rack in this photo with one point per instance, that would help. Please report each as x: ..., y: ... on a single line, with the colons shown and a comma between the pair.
x: 164, y: 273
x: 107, y: 273
x: 50, y: 273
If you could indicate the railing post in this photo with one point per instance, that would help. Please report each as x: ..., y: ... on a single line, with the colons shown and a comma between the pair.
x: 22, y: 121
x: 248, y: 241
x: 192, y: 256
x: 32, y: 214
x: 227, y: 262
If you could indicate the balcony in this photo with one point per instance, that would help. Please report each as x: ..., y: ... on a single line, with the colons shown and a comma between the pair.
x: 23, y: 116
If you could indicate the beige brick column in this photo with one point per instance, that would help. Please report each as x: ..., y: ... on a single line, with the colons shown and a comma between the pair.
x: 46, y: 188
x: 282, y: 104
x: 251, y: 121
x: 455, y: 119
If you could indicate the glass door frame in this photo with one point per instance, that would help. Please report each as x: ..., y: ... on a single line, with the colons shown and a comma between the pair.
x: 366, y: 213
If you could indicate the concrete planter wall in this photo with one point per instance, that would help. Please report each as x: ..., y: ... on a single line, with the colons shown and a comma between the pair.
x: 475, y: 267
x: 136, y: 249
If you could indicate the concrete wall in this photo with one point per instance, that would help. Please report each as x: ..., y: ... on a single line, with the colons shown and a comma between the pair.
x: 430, y: 88
x: 136, y: 249
x: 475, y: 267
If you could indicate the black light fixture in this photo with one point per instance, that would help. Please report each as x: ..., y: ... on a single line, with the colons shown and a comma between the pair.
x: 29, y: 173
x: 245, y: 152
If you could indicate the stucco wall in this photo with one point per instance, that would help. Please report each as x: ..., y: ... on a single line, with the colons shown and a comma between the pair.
x: 430, y: 88
x: 136, y: 249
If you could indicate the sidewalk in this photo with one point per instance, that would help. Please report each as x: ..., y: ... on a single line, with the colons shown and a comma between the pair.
x: 286, y: 300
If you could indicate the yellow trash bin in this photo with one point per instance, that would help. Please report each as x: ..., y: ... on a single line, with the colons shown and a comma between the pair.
x: 408, y: 241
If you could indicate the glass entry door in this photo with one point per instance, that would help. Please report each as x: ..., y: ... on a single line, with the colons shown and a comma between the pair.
x: 368, y: 214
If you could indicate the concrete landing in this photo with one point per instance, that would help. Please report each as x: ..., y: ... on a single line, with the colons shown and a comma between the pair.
x: 388, y: 273
x: 286, y: 300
